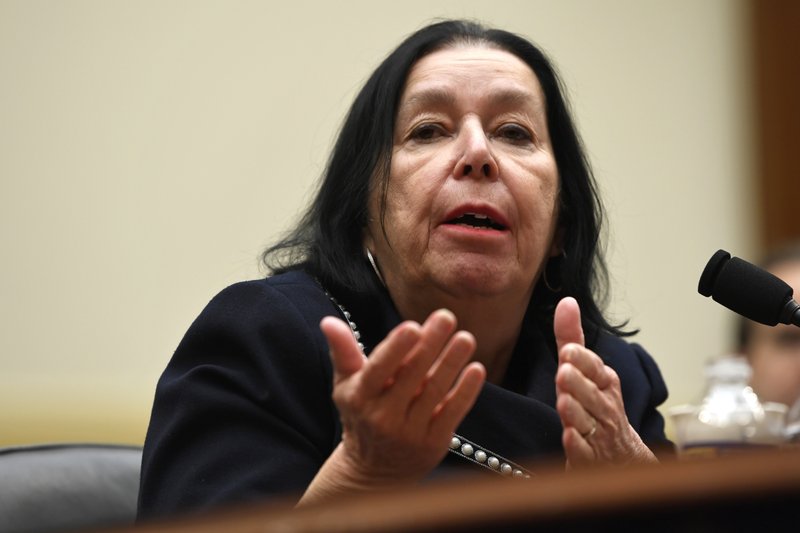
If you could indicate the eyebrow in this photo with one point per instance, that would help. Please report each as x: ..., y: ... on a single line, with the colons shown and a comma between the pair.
x: 436, y: 97
x: 429, y: 98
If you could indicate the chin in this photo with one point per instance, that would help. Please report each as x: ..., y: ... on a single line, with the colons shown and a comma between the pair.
x: 464, y: 282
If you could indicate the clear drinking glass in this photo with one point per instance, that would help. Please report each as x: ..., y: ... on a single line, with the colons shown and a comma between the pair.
x: 730, y: 416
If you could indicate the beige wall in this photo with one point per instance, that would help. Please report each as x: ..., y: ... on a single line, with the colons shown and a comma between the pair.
x: 150, y: 149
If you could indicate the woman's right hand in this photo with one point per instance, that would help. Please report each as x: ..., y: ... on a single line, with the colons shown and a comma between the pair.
x: 400, y: 407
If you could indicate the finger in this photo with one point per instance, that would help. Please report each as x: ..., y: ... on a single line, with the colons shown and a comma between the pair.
x: 388, y: 356
x: 567, y: 323
x: 452, y: 410
x: 442, y: 375
x: 577, y: 449
x: 436, y: 331
x: 573, y: 414
x: 604, y: 406
x: 345, y: 354
x: 570, y: 380
x: 588, y: 363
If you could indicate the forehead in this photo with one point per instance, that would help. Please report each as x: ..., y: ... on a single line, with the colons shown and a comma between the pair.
x: 479, y: 71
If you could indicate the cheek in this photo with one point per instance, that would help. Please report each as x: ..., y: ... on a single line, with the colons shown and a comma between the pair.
x: 538, y: 204
x: 774, y: 370
x: 412, y: 190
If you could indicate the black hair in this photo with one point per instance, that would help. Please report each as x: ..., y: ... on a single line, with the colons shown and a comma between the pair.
x: 328, y: 239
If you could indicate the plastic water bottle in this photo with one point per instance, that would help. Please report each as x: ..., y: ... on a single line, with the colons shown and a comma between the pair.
x: 730, y: 416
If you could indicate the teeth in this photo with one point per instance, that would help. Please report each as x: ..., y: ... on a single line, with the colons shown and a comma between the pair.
x: 476, y: 220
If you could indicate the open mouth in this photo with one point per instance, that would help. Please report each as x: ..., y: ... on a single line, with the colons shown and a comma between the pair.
x: 475, y: 220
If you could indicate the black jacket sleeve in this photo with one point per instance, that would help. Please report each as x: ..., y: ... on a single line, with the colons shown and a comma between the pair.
x: 243, y: 410
x: 643, y: 390
x: 650, y: 421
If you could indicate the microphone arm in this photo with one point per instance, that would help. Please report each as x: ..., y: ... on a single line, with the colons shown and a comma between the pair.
x: 790, y: 314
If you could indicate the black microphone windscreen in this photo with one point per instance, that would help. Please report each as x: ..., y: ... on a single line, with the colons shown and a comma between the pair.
x: 711, y: 271
x: 745, y: 288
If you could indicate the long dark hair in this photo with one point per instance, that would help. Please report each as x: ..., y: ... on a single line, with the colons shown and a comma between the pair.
x: 328, y: 239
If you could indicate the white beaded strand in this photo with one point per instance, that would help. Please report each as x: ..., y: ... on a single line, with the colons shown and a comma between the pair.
x: 485, y: 458
x: 346, y: 315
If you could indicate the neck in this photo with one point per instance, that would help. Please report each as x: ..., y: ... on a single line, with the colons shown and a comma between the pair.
x: 494, y: 321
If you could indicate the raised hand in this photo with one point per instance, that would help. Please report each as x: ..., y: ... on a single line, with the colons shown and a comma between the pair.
x: 589, y: 400
x: 400, y: 407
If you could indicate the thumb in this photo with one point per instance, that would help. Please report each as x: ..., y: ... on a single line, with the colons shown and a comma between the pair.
x: 345, y: 354
x: 567, y: 323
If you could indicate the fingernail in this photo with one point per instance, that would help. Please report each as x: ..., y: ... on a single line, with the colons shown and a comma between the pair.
x: 446, y: 314
x: 442, y: 319
x: 409, y: 334
x: 566, y: 352
x: 573, y: 351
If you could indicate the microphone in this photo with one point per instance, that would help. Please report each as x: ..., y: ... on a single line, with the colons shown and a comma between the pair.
x: 748, y: 290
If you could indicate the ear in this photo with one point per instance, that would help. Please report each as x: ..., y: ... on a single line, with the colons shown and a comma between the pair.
x: 367, y: 239
x: 557, y: 246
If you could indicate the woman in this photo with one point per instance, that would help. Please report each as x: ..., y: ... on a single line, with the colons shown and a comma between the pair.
x: 457, y: 196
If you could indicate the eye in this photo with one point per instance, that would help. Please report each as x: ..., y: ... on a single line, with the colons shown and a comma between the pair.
x: 427, y: 132
x: 789, y: 340
x: 514, y: 133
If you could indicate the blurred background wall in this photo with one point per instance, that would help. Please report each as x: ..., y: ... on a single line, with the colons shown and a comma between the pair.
x: 149, y: 150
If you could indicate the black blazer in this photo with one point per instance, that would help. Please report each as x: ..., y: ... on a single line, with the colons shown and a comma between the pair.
x: 244, y: 409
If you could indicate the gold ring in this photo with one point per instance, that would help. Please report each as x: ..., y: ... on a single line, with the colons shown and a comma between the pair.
x: 591, y: 431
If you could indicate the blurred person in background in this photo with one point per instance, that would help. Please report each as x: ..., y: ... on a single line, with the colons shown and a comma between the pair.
x: 774, y: 352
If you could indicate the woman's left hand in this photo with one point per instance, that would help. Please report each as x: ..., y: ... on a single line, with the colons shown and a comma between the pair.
x: 589, y: 400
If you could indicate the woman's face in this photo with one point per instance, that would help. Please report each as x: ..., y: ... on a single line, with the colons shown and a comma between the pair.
x: 473, y: 186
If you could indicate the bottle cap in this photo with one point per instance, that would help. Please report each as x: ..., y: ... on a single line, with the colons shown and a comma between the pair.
x: 728, y: 368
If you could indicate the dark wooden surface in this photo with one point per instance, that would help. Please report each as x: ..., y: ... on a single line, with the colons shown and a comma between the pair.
x: 733, y: 493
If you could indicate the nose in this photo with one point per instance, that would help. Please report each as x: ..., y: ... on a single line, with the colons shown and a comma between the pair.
x: 477, y: 160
